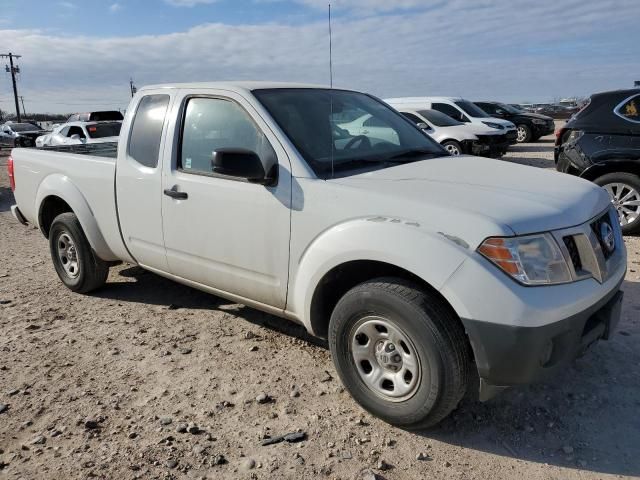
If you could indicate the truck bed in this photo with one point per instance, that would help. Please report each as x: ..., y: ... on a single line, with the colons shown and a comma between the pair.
x: 83, y: 176
x: 106, y: 149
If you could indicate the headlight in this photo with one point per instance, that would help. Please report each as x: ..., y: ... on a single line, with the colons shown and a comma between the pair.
x: 531, y: 260
x: 539, y: 121
x: 494, y: 125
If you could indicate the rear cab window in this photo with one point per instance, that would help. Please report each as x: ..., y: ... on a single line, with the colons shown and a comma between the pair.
x: 629, y: 109
x: 103, y: 130
x: 146, y: 130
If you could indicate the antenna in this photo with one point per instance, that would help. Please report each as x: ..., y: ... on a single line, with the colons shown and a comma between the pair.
x: 330, y: 52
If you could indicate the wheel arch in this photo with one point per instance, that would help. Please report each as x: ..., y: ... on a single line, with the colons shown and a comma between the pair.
x: 56, y: 195
x: 342, y: 278
x: 613, y: 166
x: 361, y: 250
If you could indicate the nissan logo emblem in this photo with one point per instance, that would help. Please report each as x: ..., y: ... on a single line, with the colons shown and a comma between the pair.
x: 607, y: 237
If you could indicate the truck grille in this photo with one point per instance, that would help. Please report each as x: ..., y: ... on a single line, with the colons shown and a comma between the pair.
x: 574, y: 254
x: 594, y: 249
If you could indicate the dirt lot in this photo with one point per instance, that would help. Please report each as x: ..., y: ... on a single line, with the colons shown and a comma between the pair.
x: 103, y: 386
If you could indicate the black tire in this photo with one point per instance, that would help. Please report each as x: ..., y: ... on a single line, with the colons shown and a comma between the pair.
x: 452, y: 146
x: 89, y: 272
x: 631, y: 182
x: 528, y: 136
x: 438, y: 338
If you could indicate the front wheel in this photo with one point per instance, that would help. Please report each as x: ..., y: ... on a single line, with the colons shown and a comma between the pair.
x: 524, y: 134
x: 452, y: 147
x: 73, y: 258
x: 624, y: 191
x: 400, y: 351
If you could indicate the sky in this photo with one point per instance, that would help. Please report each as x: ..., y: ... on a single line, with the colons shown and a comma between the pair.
x: 78, y: 55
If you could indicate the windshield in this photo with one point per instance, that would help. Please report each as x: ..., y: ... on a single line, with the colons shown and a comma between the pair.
x: 102, y: 130
x: 439, y: 119
x: 341, y: 133
x: 472, y: 109
x: 509, y: 108
x: 23, y: 127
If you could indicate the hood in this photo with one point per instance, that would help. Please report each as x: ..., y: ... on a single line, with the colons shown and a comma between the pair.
x: 31, y: 133
x: 479, y: 129
x: 456, y: 132
x: 475, y: 197
x: 500, y: 121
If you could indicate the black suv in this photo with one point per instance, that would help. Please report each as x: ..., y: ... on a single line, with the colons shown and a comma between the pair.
x: 601, y: 143
x: 531, y: 126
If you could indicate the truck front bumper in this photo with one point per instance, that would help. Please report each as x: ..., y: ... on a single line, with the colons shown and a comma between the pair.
x: 513, y: 355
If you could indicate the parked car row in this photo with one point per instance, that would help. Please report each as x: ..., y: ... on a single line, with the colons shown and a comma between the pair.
x: 556, y: 111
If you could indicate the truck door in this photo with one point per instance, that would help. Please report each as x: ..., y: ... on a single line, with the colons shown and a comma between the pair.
x: 139, y: 181
x: 223, y: 232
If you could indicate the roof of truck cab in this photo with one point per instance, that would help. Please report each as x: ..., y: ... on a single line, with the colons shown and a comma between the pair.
x: 244, y: 86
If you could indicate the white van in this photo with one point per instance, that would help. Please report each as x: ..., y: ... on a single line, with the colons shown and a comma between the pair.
x: 461, y: 110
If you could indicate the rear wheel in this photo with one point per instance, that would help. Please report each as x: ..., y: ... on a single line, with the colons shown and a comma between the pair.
x: 624, y: 190
x: 452, y: 147
x: 400, y: 351
x: 524, y: 134
x: 73, y: 258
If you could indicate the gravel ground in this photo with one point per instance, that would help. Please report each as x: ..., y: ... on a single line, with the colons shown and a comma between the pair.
x: 150, y: 379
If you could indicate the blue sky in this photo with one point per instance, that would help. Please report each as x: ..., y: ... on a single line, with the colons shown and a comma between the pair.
x: 80, y: 54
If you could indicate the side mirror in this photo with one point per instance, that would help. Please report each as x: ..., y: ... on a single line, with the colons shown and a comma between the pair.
x: 240, y: 163
x: 75, y: 137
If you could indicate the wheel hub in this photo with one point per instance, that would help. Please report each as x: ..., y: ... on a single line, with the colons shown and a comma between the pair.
x: 68, y: 255
x: 626, y: 201
x: 387, y: 356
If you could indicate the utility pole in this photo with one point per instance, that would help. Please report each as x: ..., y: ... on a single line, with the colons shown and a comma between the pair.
x: 24, y: 110
x: 13, y: 70
x: 133, y: 88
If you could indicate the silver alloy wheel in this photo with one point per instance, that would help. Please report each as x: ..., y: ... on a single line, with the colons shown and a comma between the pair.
x: 385, y: 358
x: 626, y: 200
x: 452, y: 149
x: 522, y: 134
x: 68, y: 254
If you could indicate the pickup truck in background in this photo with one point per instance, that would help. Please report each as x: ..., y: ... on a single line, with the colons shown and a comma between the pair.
x: 414, y: 264
x: 79, y: 132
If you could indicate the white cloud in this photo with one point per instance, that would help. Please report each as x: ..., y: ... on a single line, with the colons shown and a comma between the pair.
x: 115, y: 7
x: 460, y: 48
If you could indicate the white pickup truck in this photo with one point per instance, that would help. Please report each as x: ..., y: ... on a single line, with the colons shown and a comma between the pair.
x: 414, y: 264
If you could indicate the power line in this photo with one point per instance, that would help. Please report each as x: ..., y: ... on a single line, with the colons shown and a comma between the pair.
x: 13, y: 70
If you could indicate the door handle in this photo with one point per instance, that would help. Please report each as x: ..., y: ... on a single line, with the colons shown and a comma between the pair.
x: 174, y: 193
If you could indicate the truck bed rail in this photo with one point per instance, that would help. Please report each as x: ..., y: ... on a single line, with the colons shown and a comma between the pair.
x: 107, y: 149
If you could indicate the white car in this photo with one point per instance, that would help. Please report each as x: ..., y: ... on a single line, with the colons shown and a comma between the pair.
x: 77, y: 133
x: 416, y: 266
x: 463, y: 111
x: 456, y: 137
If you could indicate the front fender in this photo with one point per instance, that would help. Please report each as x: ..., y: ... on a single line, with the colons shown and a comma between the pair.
x: 404, y: 244
x: 59, y: 185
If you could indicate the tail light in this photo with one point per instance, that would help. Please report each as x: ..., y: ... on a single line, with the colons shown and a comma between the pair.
x: 10, y: 171
x: 559, y: 134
